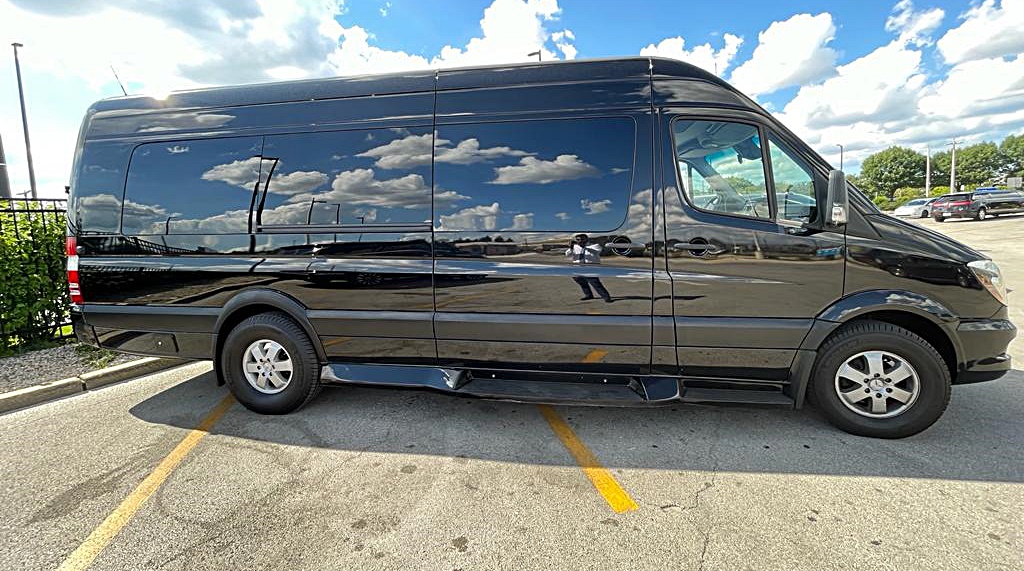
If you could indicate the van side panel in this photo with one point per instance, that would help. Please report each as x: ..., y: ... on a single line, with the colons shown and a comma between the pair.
x: 309, y: 199
x: 552, y: 162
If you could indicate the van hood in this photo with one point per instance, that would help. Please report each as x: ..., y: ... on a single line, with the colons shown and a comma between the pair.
x: 917, y: 239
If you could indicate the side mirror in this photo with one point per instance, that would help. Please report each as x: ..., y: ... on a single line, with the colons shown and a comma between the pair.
x: 837, y: 203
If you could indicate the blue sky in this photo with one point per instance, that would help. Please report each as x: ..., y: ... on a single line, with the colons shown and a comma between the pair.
x: 865, y: 74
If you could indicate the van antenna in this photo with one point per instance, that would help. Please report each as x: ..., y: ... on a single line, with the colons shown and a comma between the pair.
x: 114, y: 71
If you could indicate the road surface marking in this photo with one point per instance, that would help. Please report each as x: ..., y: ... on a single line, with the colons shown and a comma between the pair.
x: 602, y: 479
x: 87, y: 552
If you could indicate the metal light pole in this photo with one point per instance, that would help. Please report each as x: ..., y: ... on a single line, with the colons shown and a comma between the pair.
x: 952, y: 166
x: 24, y: 123
x: 928, y: 171
x: 5, y: 183
x: 840, y: 156
x: 536, y: 53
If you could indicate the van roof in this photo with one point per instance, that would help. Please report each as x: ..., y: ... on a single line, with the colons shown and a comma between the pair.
x: 419, y: 81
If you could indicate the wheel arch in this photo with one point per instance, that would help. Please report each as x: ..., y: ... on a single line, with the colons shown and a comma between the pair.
x: 253, y: 302
x: 919, y: 314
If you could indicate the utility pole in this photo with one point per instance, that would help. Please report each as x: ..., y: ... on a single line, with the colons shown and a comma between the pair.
x: 840, y: 156
x: 928, y: 171
x: 952, y: 166
x: 24, y: 123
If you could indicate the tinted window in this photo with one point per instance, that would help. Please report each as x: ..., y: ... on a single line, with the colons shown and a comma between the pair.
x: 794, y: 185
x: 98, y: 187
x: 191, y: 187
x: 379, y: 176
x: 560, y: 175
x: 720, y: 167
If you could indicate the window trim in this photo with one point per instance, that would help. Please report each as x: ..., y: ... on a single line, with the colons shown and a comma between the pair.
x: 764, y: 167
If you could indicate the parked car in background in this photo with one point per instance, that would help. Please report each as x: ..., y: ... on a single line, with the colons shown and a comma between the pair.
x: 977, y: 205
x: 917, y: 208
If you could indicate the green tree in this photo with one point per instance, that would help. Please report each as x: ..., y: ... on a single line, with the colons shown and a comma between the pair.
x: 1012, y: 150
x: 978, y: 165
x: 891, y: 169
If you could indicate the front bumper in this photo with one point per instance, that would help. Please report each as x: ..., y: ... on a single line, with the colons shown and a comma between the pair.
x: 984, y: 343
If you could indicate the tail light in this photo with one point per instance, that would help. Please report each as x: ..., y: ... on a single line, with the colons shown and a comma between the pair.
x: 71, y: 249
x: 960, y: 203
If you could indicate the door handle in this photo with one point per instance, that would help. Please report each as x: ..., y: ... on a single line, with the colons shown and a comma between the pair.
x: 700, y: 248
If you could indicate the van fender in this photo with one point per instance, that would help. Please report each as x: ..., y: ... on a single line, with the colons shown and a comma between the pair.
x: 262, y: 297
x: 856, y: 305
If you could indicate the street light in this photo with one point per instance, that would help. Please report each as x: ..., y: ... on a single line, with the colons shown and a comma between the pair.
x: 536, y: 53
x: 928, y: 171
x: 952, y: 165
x: 840, y: 156
x: 24, y: 123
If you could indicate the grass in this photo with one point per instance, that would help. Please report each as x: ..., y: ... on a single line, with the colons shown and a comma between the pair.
x: 94, y: 357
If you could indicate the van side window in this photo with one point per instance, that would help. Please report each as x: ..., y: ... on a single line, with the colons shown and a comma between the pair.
x: 794, y: 185
x: 200, y: 186
x: 720, y: 167
x: 552, y: 175
x: 365, y: 177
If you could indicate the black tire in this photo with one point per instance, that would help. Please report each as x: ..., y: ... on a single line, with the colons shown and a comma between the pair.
x: 982, y: 214
x: 934, y: 379
x: 924, y: 214
x: 940, y: 219
x: 304, y: 381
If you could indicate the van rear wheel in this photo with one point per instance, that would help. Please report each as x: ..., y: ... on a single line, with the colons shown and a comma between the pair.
x: 877, y: 379
x: 270, y: 364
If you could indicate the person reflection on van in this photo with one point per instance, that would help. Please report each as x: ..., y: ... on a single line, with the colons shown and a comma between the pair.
x: 581, y: 253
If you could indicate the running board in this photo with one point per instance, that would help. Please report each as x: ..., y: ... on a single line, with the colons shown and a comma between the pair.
x: 584, y: 389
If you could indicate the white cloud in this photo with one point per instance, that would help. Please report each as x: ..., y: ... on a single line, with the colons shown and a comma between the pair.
x: 511, y: 29
x: 563, y: 41
x: 242, y: 173
x: 885, y: 97
x: 989, y: 29
x: 522, y: 221
x: 563, y: 216
x: 595, y: 206
x: 414, y: 150
x: 532, y: 170
x: 791, y: 52
x: 480, y: 217
x: 913, y: 27
x: 385, y: 9
x: 703, y: 56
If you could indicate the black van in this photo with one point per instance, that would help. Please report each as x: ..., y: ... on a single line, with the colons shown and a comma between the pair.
x: 617, y: 232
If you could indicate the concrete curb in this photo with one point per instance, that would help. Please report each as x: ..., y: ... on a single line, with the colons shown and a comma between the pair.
x: 53, y: 390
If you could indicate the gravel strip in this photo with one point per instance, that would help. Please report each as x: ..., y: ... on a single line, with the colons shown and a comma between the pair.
x: 46, y: 365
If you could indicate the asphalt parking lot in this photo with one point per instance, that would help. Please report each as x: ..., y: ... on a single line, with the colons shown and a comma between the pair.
x: 393, y: 479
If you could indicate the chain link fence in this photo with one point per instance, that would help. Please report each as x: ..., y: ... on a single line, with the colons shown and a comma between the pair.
x: 34, y: 300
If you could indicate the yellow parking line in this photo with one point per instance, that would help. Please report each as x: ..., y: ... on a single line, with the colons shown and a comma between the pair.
x: 82, y: 557
x: 600, y: 477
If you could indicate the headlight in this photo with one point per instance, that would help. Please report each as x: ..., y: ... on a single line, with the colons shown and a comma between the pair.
x: 989, y: 275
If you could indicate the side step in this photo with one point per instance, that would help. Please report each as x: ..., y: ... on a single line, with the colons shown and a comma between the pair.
x: 549, y: 388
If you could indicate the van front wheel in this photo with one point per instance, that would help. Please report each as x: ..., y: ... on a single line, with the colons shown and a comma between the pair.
x: 877, y: 379
x: 270, y: 364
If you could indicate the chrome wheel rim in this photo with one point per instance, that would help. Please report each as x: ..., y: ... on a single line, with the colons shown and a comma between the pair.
x: 267, y: 366
x: 981, y: 214
x: 877, y: 384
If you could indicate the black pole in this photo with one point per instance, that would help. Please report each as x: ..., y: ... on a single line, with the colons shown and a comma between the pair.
x: 24, y: 123
x: 5, y: 183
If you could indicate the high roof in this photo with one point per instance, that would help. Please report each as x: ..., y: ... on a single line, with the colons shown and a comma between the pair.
x: 418, y: 81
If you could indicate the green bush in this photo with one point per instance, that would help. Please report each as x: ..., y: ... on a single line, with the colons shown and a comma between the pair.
x: 34, y: 299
